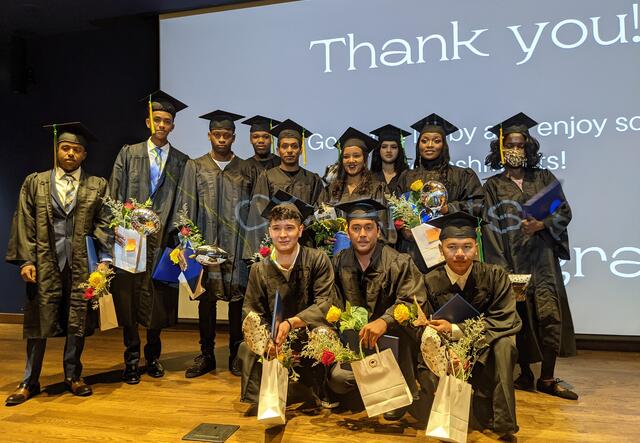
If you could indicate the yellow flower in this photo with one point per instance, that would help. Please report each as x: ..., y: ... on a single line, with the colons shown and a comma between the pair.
x: 174, y: 256
x: 334, y: 314
x: 280, y: 358
x: 97, y: 280
x: 401, y: 313
x: 417, y: 186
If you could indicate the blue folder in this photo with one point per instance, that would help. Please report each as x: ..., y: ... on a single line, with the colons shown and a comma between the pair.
x: 456, y: 310
x: 167, y: 272
x: 92, y: 254
x: 278, y: 315
x: 545, y: 202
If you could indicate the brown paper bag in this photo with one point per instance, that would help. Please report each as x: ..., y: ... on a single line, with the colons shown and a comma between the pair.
x: 108, y: 319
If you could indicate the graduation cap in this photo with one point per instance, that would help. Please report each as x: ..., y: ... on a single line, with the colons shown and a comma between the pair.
x: 73, y: 132
x: 219, y: 119
x: 353, y: 137
x: 161, y: 101
x: 261, y: 123
x: 291, y: 129
x: 519, y: 123
x: 390, y: 133
x: 434, y: 123
x: 364, y: 208
x: 283, y: 198
x: 459, y: 224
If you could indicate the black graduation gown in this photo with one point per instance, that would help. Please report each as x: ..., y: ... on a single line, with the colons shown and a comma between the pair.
x: 218, y: 201
x: 308, y: 293
x: 546, y: 312
x: 262, y: 164
x: 32, y: 240
x: 488, y: 289
x: 392, y: 185
x: 378, y: 191
x: 305, y: 185
x: 390, y: 279
x: 157, y: 303
x: 464, y: 194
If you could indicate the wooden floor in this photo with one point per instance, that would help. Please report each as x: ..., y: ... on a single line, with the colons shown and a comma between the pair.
x: 164, y: 410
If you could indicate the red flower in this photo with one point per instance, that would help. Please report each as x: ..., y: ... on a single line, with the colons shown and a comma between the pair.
x: 399, y: 224
x: 128, y: 205
x: 264, y: 251
x: 88, y: 294
x: 185, y: 231
x: 328, y: 357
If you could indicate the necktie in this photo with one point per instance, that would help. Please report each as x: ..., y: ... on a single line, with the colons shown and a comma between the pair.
x: 69, y: 192
x: 156, y: 169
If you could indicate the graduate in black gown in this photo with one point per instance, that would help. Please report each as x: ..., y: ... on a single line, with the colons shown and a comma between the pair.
x: 289, y: 176
x: 488, y: 289
x: 354, y: 181
x: 432, y: 163
x: 302, y: 276
x: 216, y: 189
x: 152, y: 170
x: 388, y: 159
x: 376, y: 277
x: 524, y: 245
x: 56, y: 209
x: 261, y: 139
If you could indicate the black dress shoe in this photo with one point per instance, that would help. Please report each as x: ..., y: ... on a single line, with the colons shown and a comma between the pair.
x: 396, y: 414
x: 554, y: 388
x: 23, y: 393
x: 202, y: 364
x: 78, y: 387
x: 234, y: 367
x: 131, y: 375
x: 155, y: 368
x: 524, y: 382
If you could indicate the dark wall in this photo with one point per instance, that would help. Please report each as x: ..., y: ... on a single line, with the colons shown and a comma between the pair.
x: 96, y: 77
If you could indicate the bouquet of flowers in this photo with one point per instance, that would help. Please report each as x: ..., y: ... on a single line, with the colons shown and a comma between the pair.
x: 266, y: 246
x: 413, y: 314
x: 324, y: 346
x: 133, y: 221
x: 326, y: 225
x: 97, y: 285
x: 462, y: 354
x: 353, y: 317
x: 406, y: 210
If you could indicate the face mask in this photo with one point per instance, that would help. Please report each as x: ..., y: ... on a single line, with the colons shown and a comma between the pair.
x: 515, y: 158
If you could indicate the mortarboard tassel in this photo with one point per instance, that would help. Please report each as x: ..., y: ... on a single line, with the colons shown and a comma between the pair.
x: 152, y: 126
x: 55, y: 146
x: 501, y: 144
x: 479, y: 241
x: 273, y: 145
x: 304, y: 151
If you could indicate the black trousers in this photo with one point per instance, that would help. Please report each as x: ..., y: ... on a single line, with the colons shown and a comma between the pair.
x: 132, y: 345
x: 207, y: 313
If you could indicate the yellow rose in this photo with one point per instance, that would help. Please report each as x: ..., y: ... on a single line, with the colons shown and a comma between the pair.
x: 334, y: 314
x: 417, y: 186
x: 174, y: 256
x: 97, y: 280
x: 401, y: 313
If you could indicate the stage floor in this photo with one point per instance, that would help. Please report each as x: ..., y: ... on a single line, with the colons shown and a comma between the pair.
x: 164, y: 410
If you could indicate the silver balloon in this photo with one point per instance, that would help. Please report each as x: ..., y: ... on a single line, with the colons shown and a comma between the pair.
x: 145, y: 221
x: 434, y: 196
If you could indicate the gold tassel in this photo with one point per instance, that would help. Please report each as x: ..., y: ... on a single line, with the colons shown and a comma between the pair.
x: 501, y: 143
x: 55, y: 146
x: 151, y: 125
x: 304, y: 151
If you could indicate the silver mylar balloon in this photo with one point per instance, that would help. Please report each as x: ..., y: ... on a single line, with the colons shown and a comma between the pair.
x: 434, y: 196
x: 323, y: 330
x: 145, y: 221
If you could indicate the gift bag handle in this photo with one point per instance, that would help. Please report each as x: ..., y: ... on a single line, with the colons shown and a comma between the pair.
x: 362, y: 356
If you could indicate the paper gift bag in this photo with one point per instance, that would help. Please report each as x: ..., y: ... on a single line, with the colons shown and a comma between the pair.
x: 381, y: 383
x: 132, y: 256
x: 190, y: 288
x: 449, y: 418
x: 108, y: 319
x: 426, y: 238
x: 272, y: 401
